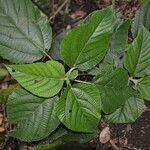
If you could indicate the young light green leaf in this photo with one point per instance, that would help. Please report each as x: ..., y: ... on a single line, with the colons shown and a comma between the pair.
x: 79, y: 108
x: 142, y: 18
x: 137, y: 57
x: 128, y: 112
x: 42, y: 79
x: 112, y: 88
x: 86, y: 45
x: 24, y: 32
x: 34, y: 116
x: 144, y: 87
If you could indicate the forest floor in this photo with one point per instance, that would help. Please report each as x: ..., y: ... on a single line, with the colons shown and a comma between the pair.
x: 123, y: 136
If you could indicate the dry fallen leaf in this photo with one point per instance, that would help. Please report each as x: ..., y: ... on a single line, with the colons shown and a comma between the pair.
x: 2, y: 129
x: 78, y: 14
x: 105, y: 135
x: 1, y: 119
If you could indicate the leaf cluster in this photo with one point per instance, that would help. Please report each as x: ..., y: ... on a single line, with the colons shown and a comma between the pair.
x: 52, y: 100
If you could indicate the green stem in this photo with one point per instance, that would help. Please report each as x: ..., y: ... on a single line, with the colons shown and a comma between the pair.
x: 135, y: 81
x: 79, y: 81
x: 47, y: 55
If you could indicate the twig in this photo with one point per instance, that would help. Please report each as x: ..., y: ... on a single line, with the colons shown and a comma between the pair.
x: 114, y: 146
x: 58, y: 10
x: 47, y: 55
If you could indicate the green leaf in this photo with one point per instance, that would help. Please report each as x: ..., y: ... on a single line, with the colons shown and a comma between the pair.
x: 118, y: 44
x: 86, y: 45
x: 79, y: 108
x: 144, y: 87
x: 35, y: 117
x: 24, y: 32
x: 42, y: 79
x: 128, y: 112
x: 78, y: 137
x: 112, y: 87
x: 108, y: 77
x: 48, y: 146
x: 103, y: 73
x: 55, y: 49
x: 4, y: 94
x: 137, y: 56
x: 120, y: 38
x: 62, y: 135
x: 142, y: 18
x: 72, y: 75
x: 65, y: 135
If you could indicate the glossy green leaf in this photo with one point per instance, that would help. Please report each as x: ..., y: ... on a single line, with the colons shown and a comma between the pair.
x: 35, y: 117
x: 24, y: 32
x: 112, y: 88
x: 42, y: 79
x: 137, y: 57
x: 128, y: 112
x: 144, y: 87
x: 79, y: 108
x: 142, y: 18
x: 86, y: 45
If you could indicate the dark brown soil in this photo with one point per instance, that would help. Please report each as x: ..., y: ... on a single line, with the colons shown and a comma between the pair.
x: 136, y: 135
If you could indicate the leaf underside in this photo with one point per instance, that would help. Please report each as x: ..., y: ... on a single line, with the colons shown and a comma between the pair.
x: 128, y: 112
x: 34, y: 116
x: 142, y: 18
x: 24, y: 32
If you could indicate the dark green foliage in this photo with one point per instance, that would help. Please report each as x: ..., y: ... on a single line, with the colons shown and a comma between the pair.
x: 50, y: 96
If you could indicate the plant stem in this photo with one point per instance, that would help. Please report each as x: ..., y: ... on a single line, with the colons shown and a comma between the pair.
x: 79, y: 81
x: 135, y: 81
x: 47, y: 55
